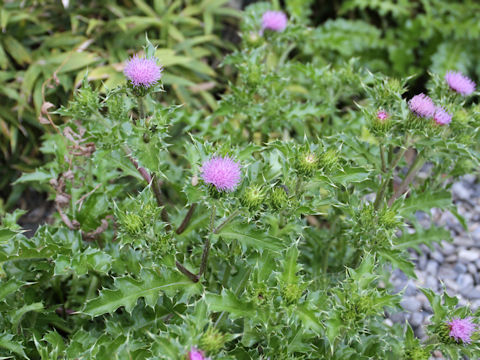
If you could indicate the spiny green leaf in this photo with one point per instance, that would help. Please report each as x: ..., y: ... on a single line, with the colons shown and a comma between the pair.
x: 127, y: 291
x: 230, y: 303
x: 251, y: 237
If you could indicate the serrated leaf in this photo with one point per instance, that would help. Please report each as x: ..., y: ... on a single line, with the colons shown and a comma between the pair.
x: 127, y: 291
x: 425, y: 201
x: 249, y: 236
x: 230, y: 303
x: 15, y: 347
x: 9, y: 287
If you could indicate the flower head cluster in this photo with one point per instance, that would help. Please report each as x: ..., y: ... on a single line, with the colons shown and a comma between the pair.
x: 196, y: 354
x: 221, y: 172
x: 441, y: 117
x: 274, y: 20
x: 460, y: 83
x: 462, y: 329
x: 382, y: 115
x: 143, y: 71
x: 422, y: 106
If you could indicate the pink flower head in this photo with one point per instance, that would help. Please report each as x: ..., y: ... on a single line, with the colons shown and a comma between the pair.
x: 462, y: 329
x: 143, y: 71
x: 422, y: 105
x: 382, y: 115
x: 274, y: 20
x: 195, y: 354
x: 460, y: 83
x: 221, y: 172
x: 442, y: 117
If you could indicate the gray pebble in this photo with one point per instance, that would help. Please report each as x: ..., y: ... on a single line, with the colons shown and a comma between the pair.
x: 410, y: 304
x: 465, y: 281
x: 467, y: 256
x: 451, y: 258
x: 437, y: 256
x: 432, y: 267
x: 415, y: 319
x: 447, y: 273
x: 460, y: 191
x: 448, y: 248
x: 460, y: 268
x: 471, y: 293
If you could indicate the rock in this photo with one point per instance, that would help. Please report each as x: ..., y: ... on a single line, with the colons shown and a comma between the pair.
x: 422, y: 262
x: 460, y: 191
x: 447, y: 248
x: 470, y: 178
x: 398, y: 317
x: 460, y: 268
x: 471, y: 293
x: 431, y: 283
x: 446, y: 273
x: 465, y: 281
x: 410, y: 304
x: 410, y: 289
x: 476, y: 234
x: 432, y: 267
x: 452, y: 285
x: 472, y: 269
x: 437, y: 256
x: 415, y: 319
x: 467, y: 256
x: 451, y: 258
x: 477, y: 264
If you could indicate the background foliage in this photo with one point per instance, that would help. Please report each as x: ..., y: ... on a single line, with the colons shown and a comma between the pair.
x: 47, y: 46
x: 299, y: 252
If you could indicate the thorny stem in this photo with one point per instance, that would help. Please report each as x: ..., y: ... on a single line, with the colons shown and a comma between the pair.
x: 206, y: 248
x: 160, y: 201
x: 396, y: 160
x: 226, y: 221
x: 186, y: 272
x: 412, y: 171
x: 382, y: 157
x: 187, y: 219
x: 141, y: 108
x: 146, y: 176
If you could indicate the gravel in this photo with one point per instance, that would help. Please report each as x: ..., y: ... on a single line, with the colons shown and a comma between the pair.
x: 454, y: 267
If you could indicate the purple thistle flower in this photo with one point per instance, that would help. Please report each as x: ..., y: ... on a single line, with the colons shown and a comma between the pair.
x: 422, y: 105
x: 382, y: 115
x: 460, y: 83
x: 195, y: 354
x: 462, y: 329
x: 274, y: 20
x: 442, y: 117
x: 143, y: 71
x: 221, y: 172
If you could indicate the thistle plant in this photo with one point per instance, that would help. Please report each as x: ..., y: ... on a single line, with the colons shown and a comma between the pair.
x: 264, y: 230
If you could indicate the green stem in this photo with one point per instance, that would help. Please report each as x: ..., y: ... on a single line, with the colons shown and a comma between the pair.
x: 206, y: 248
x: 141, y: 107
x: 383, y: 188
x: 412, y: 171
x: 226, y: 221
x: 187, y: 219
x: 382, y: 157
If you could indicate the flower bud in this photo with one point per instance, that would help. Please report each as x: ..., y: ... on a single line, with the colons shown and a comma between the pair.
x: 328, y: 159
x: 307, y: 164
x: 380, y: 123
x: 279, y: 197
x: 292, y: 292
x: 212, y: 340
x: 253, y: 197
x: 417, y: 353
x: 133, y: 223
